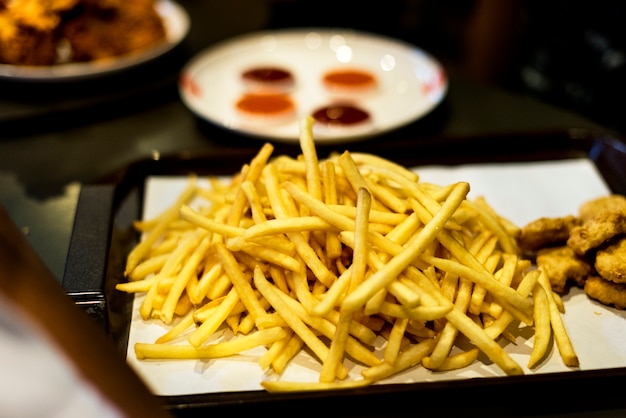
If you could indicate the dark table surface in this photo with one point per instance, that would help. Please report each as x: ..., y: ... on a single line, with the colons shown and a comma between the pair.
x: 57, y: 137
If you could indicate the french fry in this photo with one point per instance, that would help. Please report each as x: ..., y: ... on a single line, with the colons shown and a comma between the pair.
x: 543, y: 330
x: 394, y: 341
x: 453, y: 362
x: 563, y: 342
x: 217, y: 350
x: 282, y: 386
x: 332, y: 362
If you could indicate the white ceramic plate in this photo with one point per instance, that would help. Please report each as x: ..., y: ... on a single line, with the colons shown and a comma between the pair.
x: 411, y: 82
x: 177, y: 25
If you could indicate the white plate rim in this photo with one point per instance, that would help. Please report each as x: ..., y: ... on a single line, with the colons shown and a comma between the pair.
x: 226, y: 49
x: 177, y: 25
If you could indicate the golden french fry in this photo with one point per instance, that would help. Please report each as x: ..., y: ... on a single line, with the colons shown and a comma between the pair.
x: 253, y: 173
x: 543, y: 330
x: 361, y: 245
x: 286, y: 226
x: 282, y: 386
x: 332, y: 362
x: 563, y: 342
x: 209, y: 224
x: 453, y: 362
x: 394, y: 341
x: 307, y: 145
x: 217, y: 350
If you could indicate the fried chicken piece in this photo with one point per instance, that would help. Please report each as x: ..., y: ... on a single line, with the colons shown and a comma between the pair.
x: 107, y: 29
x: 610, y: 261
x: 606, y: 292
x: 563, y: 267
x: 602, y: 219
x: 40, y: 15
x: 29, y: 30
x: 545, y: 232
x: 33, y: 31
x: 21, y: 45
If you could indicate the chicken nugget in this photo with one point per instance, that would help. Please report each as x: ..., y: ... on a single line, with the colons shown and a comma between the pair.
x: 602, y: 219
x: 564, y: 267
x: 606, y: 292
x: 610, y: 261
x: 545, y: 232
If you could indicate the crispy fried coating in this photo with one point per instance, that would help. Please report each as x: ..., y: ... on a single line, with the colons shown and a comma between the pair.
x: 108, y: 29
x: 28, y: 34
x: 22, y: 45
x: 544, y: 232
x: 610, y: 262
x: 39, y: 15
x: 606, y: 292
x: 587, y: 250
x: 563, y: 267
x: 602, y: 219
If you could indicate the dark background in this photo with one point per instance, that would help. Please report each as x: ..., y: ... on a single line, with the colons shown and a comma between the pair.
x: 513, y: 66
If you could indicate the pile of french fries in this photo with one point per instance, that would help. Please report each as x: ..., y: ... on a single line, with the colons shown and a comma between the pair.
x: 331, y: 256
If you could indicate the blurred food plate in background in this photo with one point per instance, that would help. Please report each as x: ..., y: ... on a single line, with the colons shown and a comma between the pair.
x: 358, y: 84
x: 175, y: 20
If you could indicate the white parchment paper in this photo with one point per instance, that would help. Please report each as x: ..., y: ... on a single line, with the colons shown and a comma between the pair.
x: 521, y: 192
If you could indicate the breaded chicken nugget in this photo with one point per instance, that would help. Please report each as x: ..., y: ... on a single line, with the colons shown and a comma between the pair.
x: 563, y: 267
x: 611, y: 261
x: 545, y: 232
x: 606, y: 292
x: 602, y: 219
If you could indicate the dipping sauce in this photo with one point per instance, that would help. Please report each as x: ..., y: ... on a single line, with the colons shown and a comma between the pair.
x: 266, y: 108
x: 340, y: 115
x: 268, y: 80
x: 349, y: 81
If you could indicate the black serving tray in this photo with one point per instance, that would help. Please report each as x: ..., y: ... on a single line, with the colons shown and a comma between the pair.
x: 103, y: 236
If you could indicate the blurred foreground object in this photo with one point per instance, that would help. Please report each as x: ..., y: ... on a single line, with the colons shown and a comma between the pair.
x: 58, y: 361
